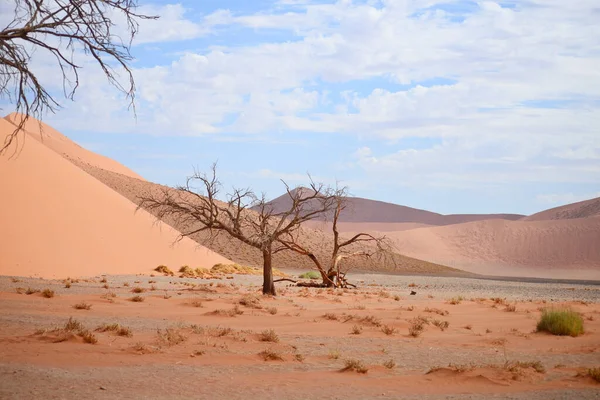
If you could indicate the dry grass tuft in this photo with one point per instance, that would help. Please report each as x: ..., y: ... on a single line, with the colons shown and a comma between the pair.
x: 388, y: 330
x: 47, y: 293
x: 82, y: 306
x: 272, y: 310
x: 594, y: 373
x: 417, y: 326
x: 456, y: 300
x: 510, y: 308
x: 138, y: 290
x: 270, y: 355
x: 117, y: 328
x: 197, y: 303
x: 269, y: 336
x: 352, y: 364
x: 88, y: 337
x: 235, y: 311
x: 356, y: 330
x: 443, y: 325
x: 250, y: 301
x: 170, y: 336
x: 163, y: 269
x: 137, y: 299
x: 390, y: 364
x: 438, y: 311
x: 334, y: 354
x: 72, y: 325
x: 330, y: 316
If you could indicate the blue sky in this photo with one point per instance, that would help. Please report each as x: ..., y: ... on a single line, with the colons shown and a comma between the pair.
x: 450, y: 106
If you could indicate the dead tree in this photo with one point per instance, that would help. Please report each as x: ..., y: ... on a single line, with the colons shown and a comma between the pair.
x: 64, y: 29
x: 260, y: 227
x: 332, y: 273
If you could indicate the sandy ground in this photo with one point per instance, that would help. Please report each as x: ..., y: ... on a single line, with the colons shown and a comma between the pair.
x: 185, y: 345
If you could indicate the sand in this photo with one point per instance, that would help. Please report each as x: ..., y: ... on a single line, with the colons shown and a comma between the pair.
x: 207, y: 355
x: 64, y: 146
x: 59, y: 221
x: 582, y: 209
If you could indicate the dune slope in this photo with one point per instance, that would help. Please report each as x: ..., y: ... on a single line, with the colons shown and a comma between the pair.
x: 64, y: 146
x: 59, y: 221
x: 361, y: 210
x: 561, y: 248
x: 581, y: 209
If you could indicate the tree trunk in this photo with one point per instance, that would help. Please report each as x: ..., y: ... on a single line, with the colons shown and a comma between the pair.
x: 268, y: 285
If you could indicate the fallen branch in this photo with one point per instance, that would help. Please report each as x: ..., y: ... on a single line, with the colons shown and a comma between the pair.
x: 284, y: 279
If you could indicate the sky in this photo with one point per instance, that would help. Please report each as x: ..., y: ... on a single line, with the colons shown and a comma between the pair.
x: 449, y: 106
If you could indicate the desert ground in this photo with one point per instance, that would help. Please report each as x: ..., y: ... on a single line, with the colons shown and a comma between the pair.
x: 221, y: 339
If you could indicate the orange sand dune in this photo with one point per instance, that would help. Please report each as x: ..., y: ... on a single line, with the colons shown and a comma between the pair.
x: 560, y: 248
x: 64, y: 146
x: 58, y: 221
x: 582, y: 209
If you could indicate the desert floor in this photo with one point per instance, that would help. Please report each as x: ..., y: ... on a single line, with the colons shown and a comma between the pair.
x: 191, y: 338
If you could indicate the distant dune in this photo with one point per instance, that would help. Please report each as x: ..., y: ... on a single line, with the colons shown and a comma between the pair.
x: 373, y: 211
x: 582, y: 209
x: 59, y: 221
x: 553, y: 249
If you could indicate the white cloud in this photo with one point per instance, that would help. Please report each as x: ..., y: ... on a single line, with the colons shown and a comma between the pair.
x: 500, y: 60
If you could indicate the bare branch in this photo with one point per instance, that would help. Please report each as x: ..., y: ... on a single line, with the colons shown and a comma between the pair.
x: 63, y: 28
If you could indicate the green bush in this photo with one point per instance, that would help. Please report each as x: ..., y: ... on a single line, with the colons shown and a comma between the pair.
x: 562, y: 322
x: 310, y: 275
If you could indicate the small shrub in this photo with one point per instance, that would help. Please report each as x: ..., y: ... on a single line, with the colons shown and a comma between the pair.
x: 354, y: 365
x: 163, y: 269
x: 456, y: 300
x: 117, y: 328
x: 270, y: 355
x: 371, y: 320
x: 187, y: 272
x: 105, y: 286
x: 138, y: 290
x: 137, y: 299
x: 468, y: 327
x: 389, y: 364
x: 417, y: 326
x: 388, y: 330
x: 334, y: 354
x: 310, y: 275
x: 356, y: 330
x: 20, y: 290
x: 88, y: 337
x: 126, y: 284
x: 32, y: 291
x: 330, y: 316
x: 272, y: 310
x: 436, y: 311
x: 510, y: 308
x: 47, y: 293
x: 103, y: 280
x: 594, y: 373
x: 82, y: 306
x: 110, y: 296
x: 397, y: 298
x: 516, y: 366
x: 67, y: 285
x: 73, y: 325
x: 197, y: 303
x: 250, y: 301
x: 299, y: 357
x: 269, y: 336
x: 561, y: 322
x: 443, y: 325
x: 170, y: 336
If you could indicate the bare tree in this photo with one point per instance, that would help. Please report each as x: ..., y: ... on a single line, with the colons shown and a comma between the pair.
x: 262, y: 227
x: 63, y: 28
x: 332, y: 273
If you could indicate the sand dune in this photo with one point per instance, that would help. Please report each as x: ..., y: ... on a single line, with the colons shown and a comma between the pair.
x: 562, y: 248
x: 373, y: 211
x: 582, y: 209
x: 354, y: 227
x: 59, y: 221
x: 64, y: 146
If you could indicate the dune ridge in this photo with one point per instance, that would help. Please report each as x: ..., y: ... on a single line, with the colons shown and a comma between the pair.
x: 59, y: 221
